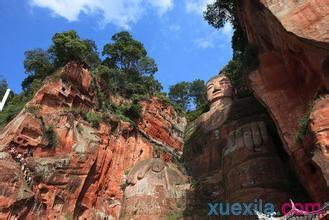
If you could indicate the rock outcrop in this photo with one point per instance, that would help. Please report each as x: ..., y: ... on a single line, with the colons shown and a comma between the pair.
x: 56, y: 164
x: 293, y: 72
x: 63, y: 157
x: 306, y: 18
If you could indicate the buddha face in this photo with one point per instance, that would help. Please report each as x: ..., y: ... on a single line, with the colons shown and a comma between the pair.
x: 219, y: 87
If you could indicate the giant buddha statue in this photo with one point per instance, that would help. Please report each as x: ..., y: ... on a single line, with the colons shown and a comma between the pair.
x: 219, y: 94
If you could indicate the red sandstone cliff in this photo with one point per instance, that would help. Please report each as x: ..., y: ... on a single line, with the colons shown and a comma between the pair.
x: 292, y: 74
x: 76, y: 169
x: 235, y: 161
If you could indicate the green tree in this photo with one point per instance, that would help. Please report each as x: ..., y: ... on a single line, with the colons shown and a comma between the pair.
x: 68, y: 46
x: 37, y: 65
x: 128, y: 54
x: 225, y: 11
x: 129, y: 70
x: 198, y: 93
x: 151, y: 85
x: 179, y: 94
x: 221, y: 12
x: 3, y: 86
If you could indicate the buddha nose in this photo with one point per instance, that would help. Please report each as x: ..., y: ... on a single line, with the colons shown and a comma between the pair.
x: 216, y: 89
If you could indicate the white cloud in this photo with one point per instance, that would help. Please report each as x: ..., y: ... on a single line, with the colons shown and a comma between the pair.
x: 216, y: 38
x: 162, y: 5
x: 175, y: 27
x: 205, y: 43
x: 118, y: 12
x: 197, y: 6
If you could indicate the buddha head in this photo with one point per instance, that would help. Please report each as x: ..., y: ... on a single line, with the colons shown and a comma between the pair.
x: 219, y: 87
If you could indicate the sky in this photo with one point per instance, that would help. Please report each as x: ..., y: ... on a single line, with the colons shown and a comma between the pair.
x: 173, y: 32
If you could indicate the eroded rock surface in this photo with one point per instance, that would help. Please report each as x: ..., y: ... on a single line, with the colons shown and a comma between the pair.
x: 306, y: 18
x: 289, y: 78
x: 154, y: 189
x: 319, y: 126
x: 55, y: 164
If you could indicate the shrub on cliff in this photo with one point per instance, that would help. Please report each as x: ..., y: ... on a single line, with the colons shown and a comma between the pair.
x: 12, y: 108
x: 51, y: 136
x: 93, y: 118
x: 16, y: 102
x: 133, y: 112
x: 126, y: 71
x: 242, y: 63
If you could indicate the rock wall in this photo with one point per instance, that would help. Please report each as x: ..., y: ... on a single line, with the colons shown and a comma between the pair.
x: 54, y: 164
x: 305, y: 18
x: 154, y: 189
x: 293, y: 72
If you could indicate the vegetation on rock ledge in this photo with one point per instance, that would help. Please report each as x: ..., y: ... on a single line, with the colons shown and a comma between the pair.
x: 126, y: 71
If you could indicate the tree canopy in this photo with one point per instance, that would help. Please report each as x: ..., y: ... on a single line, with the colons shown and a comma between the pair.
x: 186, y: 94
x: 37, y: 64
x: 127, y: 68
x: 68, y: 46
x: 220, y: 12
x: 3, y: 86
x: 179, y: 94
x: 198, y: 92
x: 127, y: 54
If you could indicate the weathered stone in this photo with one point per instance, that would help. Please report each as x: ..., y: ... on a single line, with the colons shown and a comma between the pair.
x: 305, y: 18
x: 319, y: 126
x: 154, y: 190
x: 74, y: 169
x: 162, y: 124
x: 289, y: 77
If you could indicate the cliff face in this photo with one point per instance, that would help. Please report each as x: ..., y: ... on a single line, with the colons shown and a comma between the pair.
x: 63, y: 157
x: 305, y: 18
x: 280, y: 150
x: 54, y: 163
x: 292, y: 74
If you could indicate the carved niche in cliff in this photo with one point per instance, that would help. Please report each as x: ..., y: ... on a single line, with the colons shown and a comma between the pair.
x: 153, y: 188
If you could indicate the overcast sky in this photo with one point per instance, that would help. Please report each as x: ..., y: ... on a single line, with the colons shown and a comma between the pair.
x: 174, y: 33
